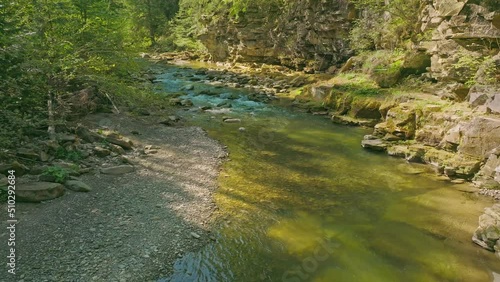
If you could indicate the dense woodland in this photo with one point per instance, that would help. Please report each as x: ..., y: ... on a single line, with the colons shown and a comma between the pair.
x: 50, y: 49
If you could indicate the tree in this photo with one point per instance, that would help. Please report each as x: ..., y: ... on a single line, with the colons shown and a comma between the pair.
x: 151, y: 16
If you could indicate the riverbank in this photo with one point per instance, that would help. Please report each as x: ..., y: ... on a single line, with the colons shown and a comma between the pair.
x: 130, y: 227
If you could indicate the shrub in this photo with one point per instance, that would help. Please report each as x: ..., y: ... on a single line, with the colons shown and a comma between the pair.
x: 60, y: 174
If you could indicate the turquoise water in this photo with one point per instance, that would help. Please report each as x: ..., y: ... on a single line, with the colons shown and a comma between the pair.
x: 300, y: 200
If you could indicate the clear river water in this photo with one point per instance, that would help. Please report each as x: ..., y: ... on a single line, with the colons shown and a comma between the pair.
x: 300, y: 200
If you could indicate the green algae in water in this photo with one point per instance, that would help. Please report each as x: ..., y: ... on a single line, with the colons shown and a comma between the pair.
x: 300, y: 200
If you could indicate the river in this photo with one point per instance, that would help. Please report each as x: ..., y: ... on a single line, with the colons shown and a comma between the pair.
x: 300, y: 200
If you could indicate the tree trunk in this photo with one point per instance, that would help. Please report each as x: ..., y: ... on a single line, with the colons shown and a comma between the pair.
x: 50, y: 108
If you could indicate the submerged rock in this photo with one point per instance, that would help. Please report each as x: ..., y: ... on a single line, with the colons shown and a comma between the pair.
x: 375, y: 145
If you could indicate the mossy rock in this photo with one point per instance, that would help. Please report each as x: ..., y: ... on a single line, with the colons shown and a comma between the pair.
x: 365, y: 108
x: 415, y: 63
x: 400, y: 121
x: 388, y: 76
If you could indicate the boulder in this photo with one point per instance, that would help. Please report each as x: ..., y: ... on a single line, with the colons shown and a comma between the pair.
x: 480, y: 136
x: 448, y: 8
x: 38, y: 191
x: 19, y: 168
x: 479, y: 95
x: 101, y: 152
x: 429, y: 135
x: 374, y: 145
x: 400, y: 121
x: 117, y: 149
x: 118, y: 170
x: 88, y: 135
x: 77, y: 186
x: 456, y: 165
x: 415, y: 63
x: 494, y: 105
x: 488, y: 233
x: 365, y: 109
x: 451, y: 139
x: 28, y: 154
x: 489, y: 175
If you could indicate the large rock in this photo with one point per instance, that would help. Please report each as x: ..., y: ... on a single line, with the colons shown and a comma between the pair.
x: 374, y: 145
x: 488, y: 232
x: 122, y: 142
x: 489, y: 175
x: 480, y: 95
x: 430, y: 135
x: 454, y: 165
x: 451, y: 139
x: 118, y: 170
x: 28, y: 154
x: 494, y: 105
x: 87, y: 135
x: 77, y: 186
x: 400, y: 121
x: 38, y: 191
x: 480, y: 136
x: 365, y: 109
x: 448, y: 8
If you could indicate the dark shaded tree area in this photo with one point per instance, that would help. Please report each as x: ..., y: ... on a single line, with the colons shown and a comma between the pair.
x: 50, y: 49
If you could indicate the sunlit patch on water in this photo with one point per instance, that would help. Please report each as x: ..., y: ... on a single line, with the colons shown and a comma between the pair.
x: 300, y: 200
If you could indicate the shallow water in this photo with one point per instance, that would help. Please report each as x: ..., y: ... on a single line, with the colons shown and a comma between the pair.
x: 300, y: 200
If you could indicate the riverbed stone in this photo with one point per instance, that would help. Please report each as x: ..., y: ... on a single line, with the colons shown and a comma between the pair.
x: 38, y: 191
x: 480, y: 136
x: 77, y: 186
x: 374, y: 145
x: 118, y: 170
x: 125, y: 143
x: 101, y: 152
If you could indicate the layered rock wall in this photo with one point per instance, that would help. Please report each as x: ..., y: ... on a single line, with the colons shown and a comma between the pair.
x: 460, y: 35
x: 305, y: 34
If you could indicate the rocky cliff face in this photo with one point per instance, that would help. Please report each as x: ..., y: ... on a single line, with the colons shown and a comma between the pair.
x: 463, y: 34
x: 306, y: 34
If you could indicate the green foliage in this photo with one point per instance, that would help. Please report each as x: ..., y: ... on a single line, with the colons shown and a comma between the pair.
x: 52, y: 48
x: 60, y: 174
x: 385, y: 26
x: 467, y: 66
x: 357, y: 84
x: 149, y: 18
x: 182, y: 32
x: 64, y: 154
